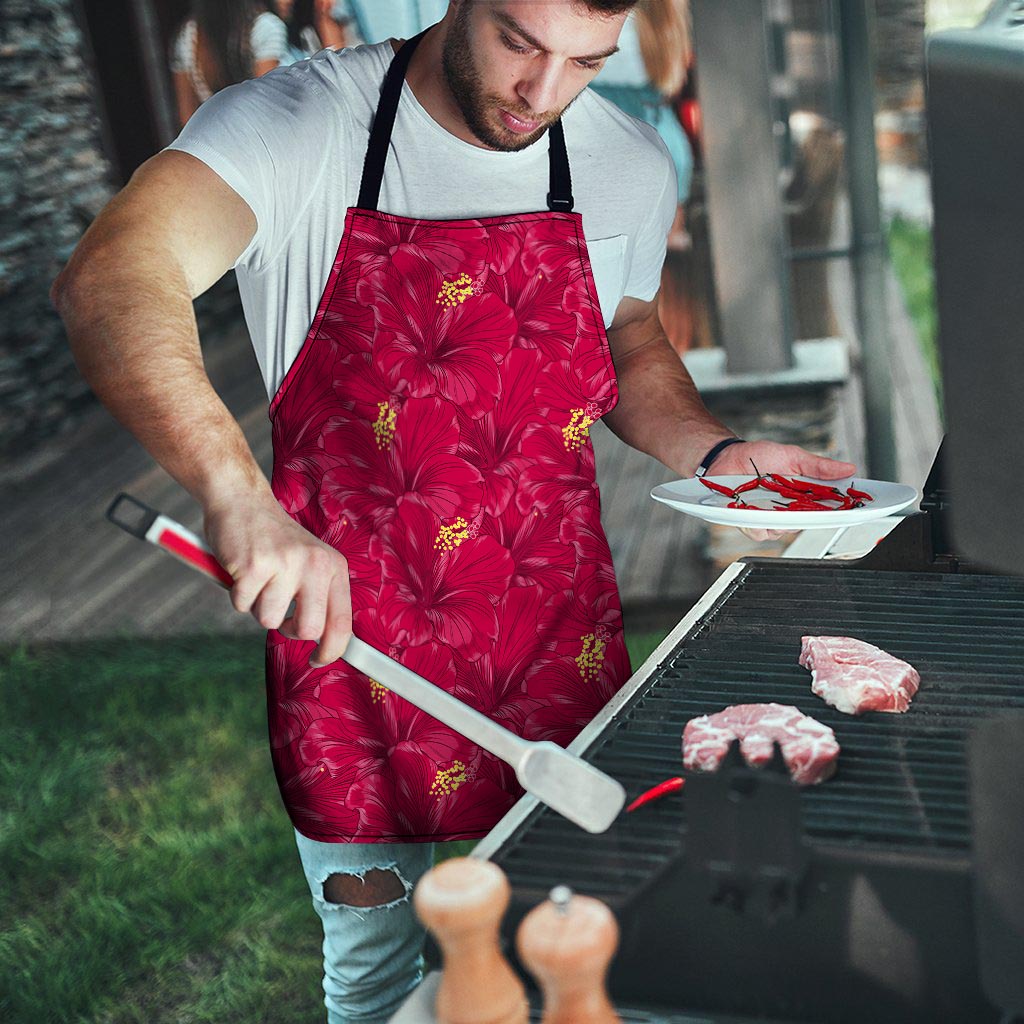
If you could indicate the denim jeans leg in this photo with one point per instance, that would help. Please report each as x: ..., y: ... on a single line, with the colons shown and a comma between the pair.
x: 372, y: 955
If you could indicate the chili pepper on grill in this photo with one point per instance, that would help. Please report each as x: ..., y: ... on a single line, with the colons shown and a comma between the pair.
x: 656, y: 793
x: 720, y: 488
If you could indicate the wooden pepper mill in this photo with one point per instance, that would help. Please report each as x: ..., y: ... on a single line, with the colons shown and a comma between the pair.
x: 567, y: 943
x: 462, y: 901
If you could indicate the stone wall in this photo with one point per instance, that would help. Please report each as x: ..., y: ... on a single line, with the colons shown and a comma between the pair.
x: 54, y: 178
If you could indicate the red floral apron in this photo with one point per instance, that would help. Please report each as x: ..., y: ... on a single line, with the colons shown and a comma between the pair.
x: 434, y: 429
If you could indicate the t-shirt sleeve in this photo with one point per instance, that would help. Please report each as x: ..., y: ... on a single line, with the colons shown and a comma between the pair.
x: 269, y: 139
x: 651, y: 241
x: 269, y: 38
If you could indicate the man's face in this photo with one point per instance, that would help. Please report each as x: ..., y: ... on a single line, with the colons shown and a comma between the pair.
x: 513, y: 66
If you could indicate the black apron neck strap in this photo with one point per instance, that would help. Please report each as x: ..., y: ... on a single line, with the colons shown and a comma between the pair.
x: 559, y: 197
x: 383, y: 122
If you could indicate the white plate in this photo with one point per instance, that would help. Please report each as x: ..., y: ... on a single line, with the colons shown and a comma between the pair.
x: 693, y: 498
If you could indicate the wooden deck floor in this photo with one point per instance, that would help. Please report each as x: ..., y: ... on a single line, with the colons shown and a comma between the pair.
x: 70, y: 574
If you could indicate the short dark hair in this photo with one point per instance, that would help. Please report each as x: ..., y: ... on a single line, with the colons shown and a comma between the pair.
x: 609, y: 6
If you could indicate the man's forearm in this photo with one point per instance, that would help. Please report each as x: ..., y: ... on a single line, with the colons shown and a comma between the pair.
x: 133, y: 333
x: 660, y: 411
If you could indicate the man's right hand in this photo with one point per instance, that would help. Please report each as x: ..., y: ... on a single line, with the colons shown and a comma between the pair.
x: 273, y: 562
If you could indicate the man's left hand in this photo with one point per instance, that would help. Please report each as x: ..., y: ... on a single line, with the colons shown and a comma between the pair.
x: 771, y: 457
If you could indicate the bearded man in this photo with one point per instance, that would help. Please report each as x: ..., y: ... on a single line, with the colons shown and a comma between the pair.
x: 449, y: 252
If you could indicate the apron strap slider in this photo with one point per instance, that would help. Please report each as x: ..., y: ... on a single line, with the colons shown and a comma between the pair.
x: 560, y: 204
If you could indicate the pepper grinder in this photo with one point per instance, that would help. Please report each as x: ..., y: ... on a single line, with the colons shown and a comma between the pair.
x: 462, y: 901
x: 567, y: 943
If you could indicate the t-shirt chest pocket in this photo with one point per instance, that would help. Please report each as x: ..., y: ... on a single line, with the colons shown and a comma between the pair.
x: 608, y: 263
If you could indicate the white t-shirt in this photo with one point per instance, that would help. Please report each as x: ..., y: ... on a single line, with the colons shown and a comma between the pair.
x: 292, y: 144
x: 268, y: 40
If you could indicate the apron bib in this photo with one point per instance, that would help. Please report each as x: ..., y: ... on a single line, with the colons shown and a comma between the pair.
x: 434, y: 429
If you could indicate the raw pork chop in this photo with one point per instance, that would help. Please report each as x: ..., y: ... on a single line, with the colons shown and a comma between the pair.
x: 809, y: 748
x: 855, y: 677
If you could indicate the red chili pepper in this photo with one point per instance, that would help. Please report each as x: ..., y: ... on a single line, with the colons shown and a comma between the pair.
x: 773, y: 485
x: 750, y: 485
x: 809, y: 487
x: 793, y: 485
x: 656, y: 792
x: 717, y: 487
x: 806, y: 505
x: 863, y: 495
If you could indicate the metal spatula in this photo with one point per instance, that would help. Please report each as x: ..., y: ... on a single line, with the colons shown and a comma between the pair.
x: 567, y: 784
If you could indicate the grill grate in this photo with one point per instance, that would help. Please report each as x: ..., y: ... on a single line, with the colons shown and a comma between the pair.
x: 902, y: 779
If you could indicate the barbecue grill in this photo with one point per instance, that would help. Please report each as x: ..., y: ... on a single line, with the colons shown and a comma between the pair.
x: 893, y: 892
x: 848, y: 901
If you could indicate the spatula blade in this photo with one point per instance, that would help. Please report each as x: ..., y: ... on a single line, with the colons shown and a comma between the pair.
x: 577, y: 790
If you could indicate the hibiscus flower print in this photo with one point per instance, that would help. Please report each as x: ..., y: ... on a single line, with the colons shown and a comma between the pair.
x: 584, y: 624
x: 376, y: 239
x: 552, y: 250
x: 540, y: 558
x: 435, y: 430
x: 342, y: 324
x: 430, y: 594
x: 493, y: 444
x: 317, y: 803
x: 535, y: 300
x: 448, y: 350
x: 353, y: 541
x: 567, y: 702
x: 368, y: 482
x: 495, y: 684
x: 563, y: 395
x: 559, y: 477
x: 299, y: 460
x: 504, y: 245
x: 293, y: 703
x: 584, y: 533
x: 363, y: 387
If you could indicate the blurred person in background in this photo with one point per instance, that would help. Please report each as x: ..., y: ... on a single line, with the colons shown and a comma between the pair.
x: 314, y: 25
x: 646, y: 77
x: 221, y: 43
x: 372, y: 21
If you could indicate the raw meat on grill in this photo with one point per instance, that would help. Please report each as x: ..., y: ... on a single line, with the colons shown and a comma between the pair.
x: 855, y: 677
x: 809, y: 748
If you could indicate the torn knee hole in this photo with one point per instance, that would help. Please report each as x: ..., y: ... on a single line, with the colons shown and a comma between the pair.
x: 373, y: 889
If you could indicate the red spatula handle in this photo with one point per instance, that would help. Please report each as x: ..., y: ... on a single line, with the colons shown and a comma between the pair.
x: 147, y: 524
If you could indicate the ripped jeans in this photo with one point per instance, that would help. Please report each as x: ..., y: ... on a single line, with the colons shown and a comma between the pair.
x: 373, y: 951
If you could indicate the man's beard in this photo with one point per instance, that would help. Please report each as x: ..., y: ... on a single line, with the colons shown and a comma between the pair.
x: 465, y: 85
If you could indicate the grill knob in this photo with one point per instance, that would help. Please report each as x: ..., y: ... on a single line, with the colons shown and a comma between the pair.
x: 462, y: 901
x: 567, y: 943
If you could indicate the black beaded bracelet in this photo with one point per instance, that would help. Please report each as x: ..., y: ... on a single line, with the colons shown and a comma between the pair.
x: 705, y: 463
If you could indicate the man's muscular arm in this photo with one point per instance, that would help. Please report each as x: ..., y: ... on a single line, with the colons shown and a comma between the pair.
x: 661, y: 413
x: 126, y: 301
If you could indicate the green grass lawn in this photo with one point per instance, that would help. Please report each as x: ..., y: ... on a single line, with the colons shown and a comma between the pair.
x: 910, y: 247
x: 148, y: 871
